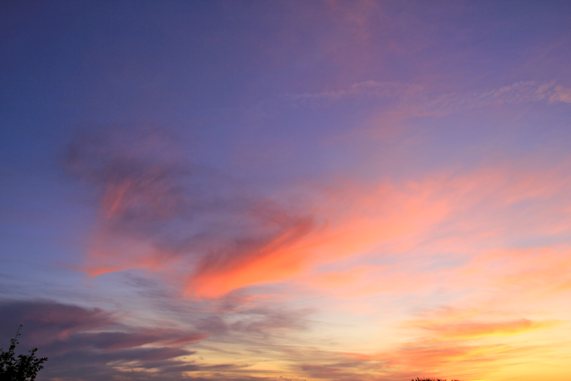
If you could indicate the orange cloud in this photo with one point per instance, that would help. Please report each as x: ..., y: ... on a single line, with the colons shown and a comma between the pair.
x: 150, y: 221
x: 390, y: 217
x: 480, y: 329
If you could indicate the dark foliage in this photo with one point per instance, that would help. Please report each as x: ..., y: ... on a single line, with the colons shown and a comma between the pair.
x: 19, y: 367
x: 430, y: 379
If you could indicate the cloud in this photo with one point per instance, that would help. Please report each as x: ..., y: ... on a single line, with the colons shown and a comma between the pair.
x: 90, y: 343
x: 85, y: 344
x: 162, y: 214
x: 447, y: 235
x: 247, y: 262
x: 481, y: 329
x: 156, y: 210
x: 352, y: 224
x: 398, y: 102
x: 240, y: 315
x: 537, y: 271
x: 440, y: 359
x: 560, y: 94
x: 370, y: 88
x: 517, y: 93
x: 50, y: 321
x: 168, y: 338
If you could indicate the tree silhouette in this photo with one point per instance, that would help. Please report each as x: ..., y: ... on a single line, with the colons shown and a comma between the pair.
x: 19, y: 367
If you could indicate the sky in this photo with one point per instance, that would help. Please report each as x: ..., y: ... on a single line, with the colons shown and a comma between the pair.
x: 287, y: 190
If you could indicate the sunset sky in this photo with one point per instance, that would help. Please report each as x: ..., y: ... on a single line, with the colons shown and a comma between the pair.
x: 294, y: 190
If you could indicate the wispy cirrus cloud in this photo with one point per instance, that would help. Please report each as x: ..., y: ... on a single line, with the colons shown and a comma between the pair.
x: 156, y: 210
x: 370, y: 88
x: 420, y: 97
x: 217, y: 241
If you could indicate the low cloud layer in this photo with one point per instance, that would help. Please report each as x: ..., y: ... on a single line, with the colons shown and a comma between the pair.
x: 93, y: 344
